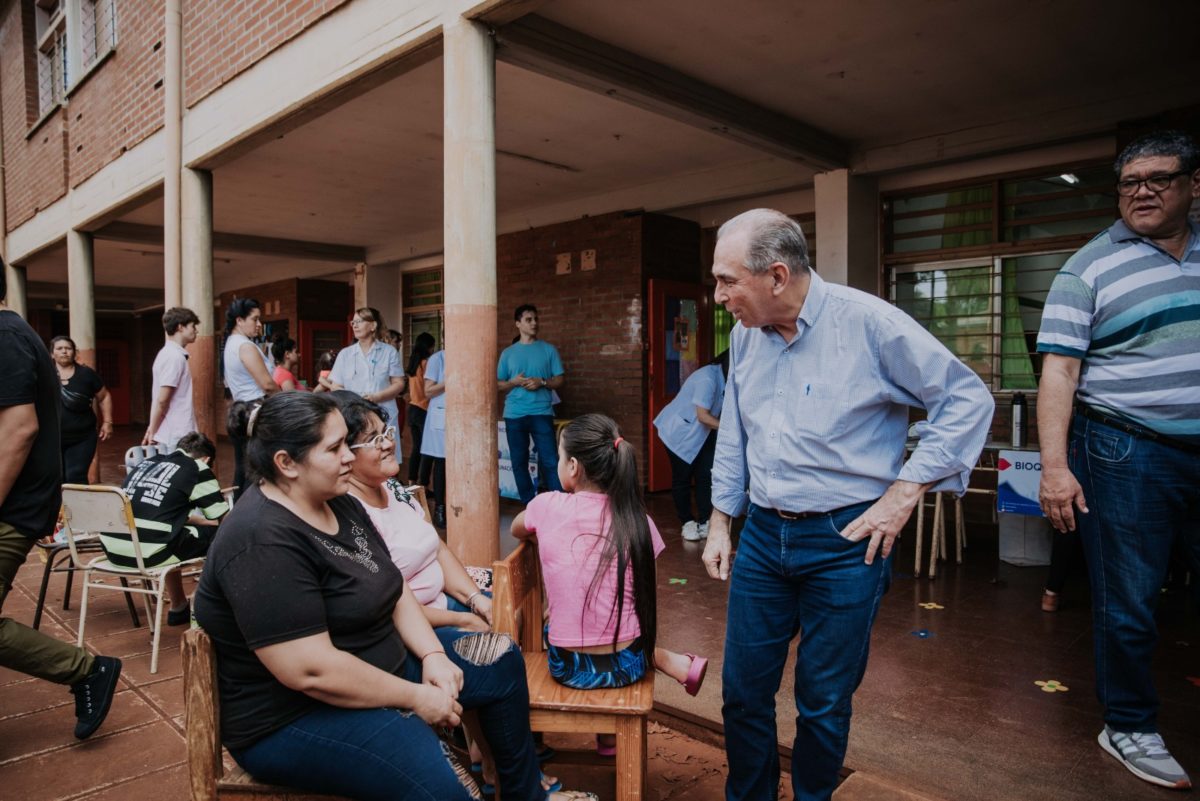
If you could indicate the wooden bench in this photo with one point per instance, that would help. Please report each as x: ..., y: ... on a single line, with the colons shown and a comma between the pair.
x: 517, y: 610
x: 206, y: 766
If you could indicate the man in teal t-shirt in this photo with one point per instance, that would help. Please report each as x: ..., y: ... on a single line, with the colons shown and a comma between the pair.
x: 530, y: 370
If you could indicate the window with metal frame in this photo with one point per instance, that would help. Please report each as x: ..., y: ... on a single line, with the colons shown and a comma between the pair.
x: 51, y: 28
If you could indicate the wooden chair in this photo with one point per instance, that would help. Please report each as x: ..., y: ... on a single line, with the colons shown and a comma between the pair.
x: 206, y: 766
x: 517, y: 604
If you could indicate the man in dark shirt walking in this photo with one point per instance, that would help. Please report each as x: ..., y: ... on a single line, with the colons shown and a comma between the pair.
x: 30, y: 497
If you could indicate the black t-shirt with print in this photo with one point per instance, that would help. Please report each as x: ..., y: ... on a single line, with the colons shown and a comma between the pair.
x: 27, y: 375
x: 78, y: 417
x: 272, y: 578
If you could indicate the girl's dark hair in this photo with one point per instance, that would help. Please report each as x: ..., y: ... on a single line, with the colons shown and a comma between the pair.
x: 611, y: 464
x: 64, y: 338
x: 280, y: 347
x: 326, y: 361
x: 355, y: 410
x: 722, y: 361
x: 286, y: 421
x: 422, y: 350
x: 238, y: 307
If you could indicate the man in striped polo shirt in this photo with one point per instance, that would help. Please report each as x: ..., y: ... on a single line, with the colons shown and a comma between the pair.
x: 164, y: 491
x: 1120, y: 393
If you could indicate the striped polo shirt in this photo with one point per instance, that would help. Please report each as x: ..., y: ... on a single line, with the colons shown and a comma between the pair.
x: 163, y: 491
x: 1131, y: 312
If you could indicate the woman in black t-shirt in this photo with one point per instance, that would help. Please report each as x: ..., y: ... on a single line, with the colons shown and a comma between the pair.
x: 330, y: 677
x: 82, y: 391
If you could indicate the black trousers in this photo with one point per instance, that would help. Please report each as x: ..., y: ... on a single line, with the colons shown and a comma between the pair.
x: 437, y: 466
x: 416, y: 427
x: 682, y: 475
x: 77, y: 458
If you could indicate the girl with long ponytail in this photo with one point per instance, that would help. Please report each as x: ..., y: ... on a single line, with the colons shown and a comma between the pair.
x: 597, y: 547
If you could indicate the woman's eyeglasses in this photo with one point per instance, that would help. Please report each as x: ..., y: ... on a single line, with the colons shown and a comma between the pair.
x: 376, y: 442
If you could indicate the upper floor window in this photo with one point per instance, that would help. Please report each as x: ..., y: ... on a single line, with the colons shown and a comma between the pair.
x: 72, y: 36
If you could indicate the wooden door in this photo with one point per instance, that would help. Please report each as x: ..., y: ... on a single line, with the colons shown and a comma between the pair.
x: 316, y: 338
x: 112, y: 363
x: 680, y: 319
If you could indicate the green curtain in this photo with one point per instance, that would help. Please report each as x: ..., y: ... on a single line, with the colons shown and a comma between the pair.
x: 970, y: 217
x: 1016, y: 368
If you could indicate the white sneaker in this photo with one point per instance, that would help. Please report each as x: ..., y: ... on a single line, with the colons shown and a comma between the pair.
x: 691, y: 532
x: 1146, y: 757
x: 703, y: 528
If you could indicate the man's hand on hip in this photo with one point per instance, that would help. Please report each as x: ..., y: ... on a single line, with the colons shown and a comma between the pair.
x: 718, y: 557
x: 883, y: 521
x: 1059, y: 493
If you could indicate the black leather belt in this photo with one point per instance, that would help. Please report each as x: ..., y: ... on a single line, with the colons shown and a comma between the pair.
x: 786, y: 515
x: 1141, y: 432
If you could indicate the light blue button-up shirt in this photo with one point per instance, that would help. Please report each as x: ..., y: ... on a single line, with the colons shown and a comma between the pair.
x: 678, y: 426
x: 820, y: 422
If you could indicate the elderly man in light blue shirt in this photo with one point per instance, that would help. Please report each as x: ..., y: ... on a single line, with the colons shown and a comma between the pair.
x: 811, y: 449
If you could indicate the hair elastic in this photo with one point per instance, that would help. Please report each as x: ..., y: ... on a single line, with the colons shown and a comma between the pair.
x: 250, y: 422
x: 617, y: 442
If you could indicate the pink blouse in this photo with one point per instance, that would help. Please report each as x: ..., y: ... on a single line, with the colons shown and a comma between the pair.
x: 412, y: 542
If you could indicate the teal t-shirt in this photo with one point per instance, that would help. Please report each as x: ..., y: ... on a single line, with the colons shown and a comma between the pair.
x: 536, y: 360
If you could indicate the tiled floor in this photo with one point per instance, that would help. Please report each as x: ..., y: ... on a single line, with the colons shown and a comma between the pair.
x: 955, y: 715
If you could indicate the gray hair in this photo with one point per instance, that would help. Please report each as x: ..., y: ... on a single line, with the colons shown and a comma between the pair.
x: 773, y: 237
x: 1170, y: 143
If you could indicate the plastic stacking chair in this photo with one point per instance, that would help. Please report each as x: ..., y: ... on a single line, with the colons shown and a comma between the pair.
x: 91, y: 510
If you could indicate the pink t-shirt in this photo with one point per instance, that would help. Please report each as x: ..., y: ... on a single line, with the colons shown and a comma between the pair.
x: 412, y: 542
x: 567, y: 525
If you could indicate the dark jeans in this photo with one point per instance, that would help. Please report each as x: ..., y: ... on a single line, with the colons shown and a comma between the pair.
x: 1065, y: 554
x: 682, y: 474
x: 239, y: 464
x: 541, y: 428
x: 416, y: 427
x: 435, y: 466
x: 77, y: 458
x: 795, y: 576
x: 1142, y: 496
x: 391, y: 754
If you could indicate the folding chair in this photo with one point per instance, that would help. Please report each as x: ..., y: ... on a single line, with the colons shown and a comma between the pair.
x: 92, y: 510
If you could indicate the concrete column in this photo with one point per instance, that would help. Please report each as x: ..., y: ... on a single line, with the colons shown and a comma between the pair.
x: 81, y: 295
x: 360, y: 289
x: 469, y: 219
x: 847, y: 210
x: 196, y: 234
x: 17, y: 300
x: 173, y: 157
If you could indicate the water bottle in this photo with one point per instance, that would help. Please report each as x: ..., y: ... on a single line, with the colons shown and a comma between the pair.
x: 1019, y: 425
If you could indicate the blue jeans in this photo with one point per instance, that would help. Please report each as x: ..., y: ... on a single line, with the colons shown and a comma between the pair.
x: 793, y: 576
x: 518, y: 431
x: 1141, y: 496
x: 390, y: 754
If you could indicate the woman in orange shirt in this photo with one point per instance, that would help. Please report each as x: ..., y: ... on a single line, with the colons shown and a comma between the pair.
x: 418, y: 468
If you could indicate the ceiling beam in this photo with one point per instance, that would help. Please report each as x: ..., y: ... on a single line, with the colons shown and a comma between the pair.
x: 540, y: 45
x: 502, y: 12
x: 239, y: 243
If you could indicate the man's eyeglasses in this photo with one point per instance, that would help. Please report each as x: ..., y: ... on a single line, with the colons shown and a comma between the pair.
x: 376, y: 442
x: 1155, y: 183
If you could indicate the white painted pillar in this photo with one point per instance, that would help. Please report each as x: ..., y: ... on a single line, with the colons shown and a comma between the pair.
x: 81, y: 295
x: 173, y: 157
x: 196, y: 234
x: 16, y: 299
x: 847, y: 222
x: 469, y: 220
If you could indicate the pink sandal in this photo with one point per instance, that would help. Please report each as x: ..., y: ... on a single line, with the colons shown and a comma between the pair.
x: 695, y: 675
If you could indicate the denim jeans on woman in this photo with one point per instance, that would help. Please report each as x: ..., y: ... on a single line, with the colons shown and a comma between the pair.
x: 789, y: 577
x: 393, y: 755
x: 1141, y: 496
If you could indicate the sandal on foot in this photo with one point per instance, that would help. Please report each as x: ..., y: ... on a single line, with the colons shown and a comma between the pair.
x: 695, y: 674
x: 489, y: 789
x: 578, y: 795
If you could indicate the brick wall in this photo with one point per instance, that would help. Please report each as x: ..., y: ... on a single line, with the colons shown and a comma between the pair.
x: 121, y: 102
x: 34, y: 175
x: 224, y: 37
x: 596, y: 319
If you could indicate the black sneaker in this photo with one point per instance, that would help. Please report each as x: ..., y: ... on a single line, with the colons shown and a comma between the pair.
x: 181, y: 616
x: 94, y: 694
